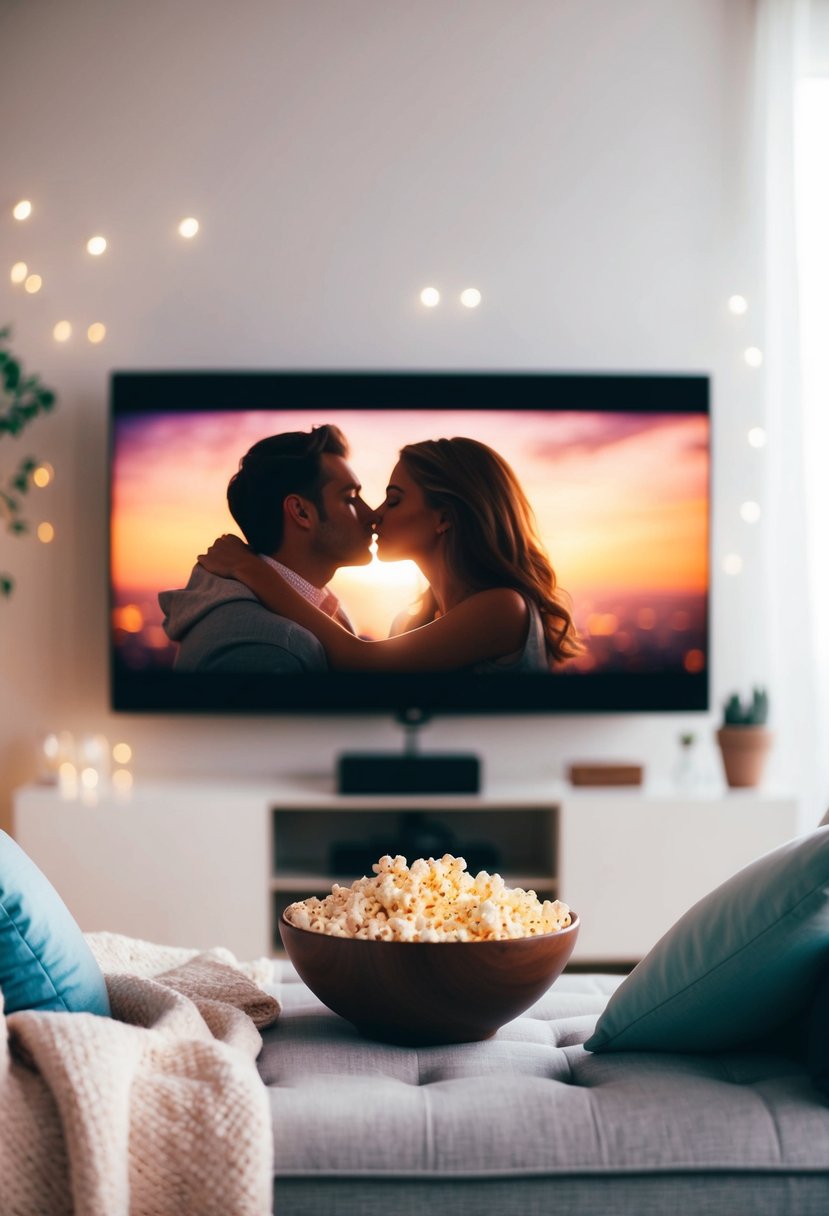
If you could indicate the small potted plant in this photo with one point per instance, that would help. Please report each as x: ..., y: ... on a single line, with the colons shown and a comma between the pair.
x: 744, y: 739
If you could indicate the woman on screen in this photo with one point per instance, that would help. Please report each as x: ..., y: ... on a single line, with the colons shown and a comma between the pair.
x: 456, y: 508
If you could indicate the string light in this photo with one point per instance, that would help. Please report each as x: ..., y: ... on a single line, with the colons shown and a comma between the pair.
x: 45, y: 533
x: 750, y: 512
x: 753, y: 356
x: 33, y: 284
x: 732, y: 563
x: 188, y: 227
x: 42, y: 475
x: 96, y: 332
x: 757, y: 437
x: 470, y: 297
x: 22, y: 210
x: 96, y: 245
x: 430, y: 297
x: 62, y: 331
x: 19, y: 272
x: 738, y: 305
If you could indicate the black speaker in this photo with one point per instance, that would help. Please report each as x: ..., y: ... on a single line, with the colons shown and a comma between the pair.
x: 376, y: 773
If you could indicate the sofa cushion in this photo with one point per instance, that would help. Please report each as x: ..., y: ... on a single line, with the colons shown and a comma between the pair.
x: 737, y: 966
x: 44, y: 961
x: 530, y: 1121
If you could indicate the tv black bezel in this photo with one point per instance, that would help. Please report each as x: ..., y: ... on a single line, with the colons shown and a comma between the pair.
x: 149, y: 392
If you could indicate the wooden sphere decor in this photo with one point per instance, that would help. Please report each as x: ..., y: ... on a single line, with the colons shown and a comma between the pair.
x: 422, y: 993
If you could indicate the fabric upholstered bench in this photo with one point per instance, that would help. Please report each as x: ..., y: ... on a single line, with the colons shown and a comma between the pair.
x: 531, y: 1122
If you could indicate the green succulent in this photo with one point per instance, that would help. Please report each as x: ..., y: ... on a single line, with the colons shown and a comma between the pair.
x: 22, y: 399
x: 754, y: 712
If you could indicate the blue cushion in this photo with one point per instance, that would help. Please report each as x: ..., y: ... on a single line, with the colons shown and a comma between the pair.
x: 45, y: 962
x: 736, y: 966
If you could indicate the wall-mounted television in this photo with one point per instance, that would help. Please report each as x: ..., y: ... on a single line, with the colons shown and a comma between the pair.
x: 616, y: 468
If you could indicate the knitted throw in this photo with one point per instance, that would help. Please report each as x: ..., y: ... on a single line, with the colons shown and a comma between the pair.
x: 157, y: 1110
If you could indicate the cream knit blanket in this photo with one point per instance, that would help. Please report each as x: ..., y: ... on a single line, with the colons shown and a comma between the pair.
x: 158, y: 1110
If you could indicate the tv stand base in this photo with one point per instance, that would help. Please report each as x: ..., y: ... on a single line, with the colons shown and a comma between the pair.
x: 390, y: 773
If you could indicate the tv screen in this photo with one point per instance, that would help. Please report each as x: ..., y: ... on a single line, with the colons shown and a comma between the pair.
x: 615, y: 469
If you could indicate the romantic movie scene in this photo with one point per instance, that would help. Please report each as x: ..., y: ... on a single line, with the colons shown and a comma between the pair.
x: 557, y: 543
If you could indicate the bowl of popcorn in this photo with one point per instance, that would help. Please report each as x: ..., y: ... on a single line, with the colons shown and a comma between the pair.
x: 428, y: 953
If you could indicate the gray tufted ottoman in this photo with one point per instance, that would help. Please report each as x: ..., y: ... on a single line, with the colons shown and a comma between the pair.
x: 529, y: 1122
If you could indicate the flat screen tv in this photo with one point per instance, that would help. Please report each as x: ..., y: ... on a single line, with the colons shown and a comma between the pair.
x: 615, y: 467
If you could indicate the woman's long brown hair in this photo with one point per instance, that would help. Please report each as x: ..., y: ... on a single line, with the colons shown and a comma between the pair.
x: 493, y: 540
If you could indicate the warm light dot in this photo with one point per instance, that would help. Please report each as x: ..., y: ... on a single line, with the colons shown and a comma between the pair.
x: 45, y: 533
x: 738, y: 305
x: 96, y: 245
x: 95, y: 751
x: 753, y: 356
x: 122, y: 780
x: 62, y: 331
x: 22, y: 210
x: 750, y: 512
x: 33, y: 283
x: 130, y: 618
x: 694, y: 661
x: 42, y: 475
x: 470, y: 297
x: 19, y: 272
x: 51, y: 747
x: 67, y: 776
x: 429, y: 297
x: 89, y: 778
x: 189, y: 227
x: 122, y: 753
x: 757, y: 437
x: 96, y: 332
x: 732, y: 563
x: 602, y: 624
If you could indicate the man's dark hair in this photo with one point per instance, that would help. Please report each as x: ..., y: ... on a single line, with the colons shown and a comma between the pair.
x: 274, y: 468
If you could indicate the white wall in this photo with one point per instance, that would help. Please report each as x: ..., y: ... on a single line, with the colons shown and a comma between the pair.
x: 582, y: 163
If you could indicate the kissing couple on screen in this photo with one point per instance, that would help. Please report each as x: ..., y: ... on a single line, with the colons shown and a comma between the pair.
x: 452, y: 506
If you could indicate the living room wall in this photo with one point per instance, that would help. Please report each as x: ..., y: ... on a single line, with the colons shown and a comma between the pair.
x: 584, y: 165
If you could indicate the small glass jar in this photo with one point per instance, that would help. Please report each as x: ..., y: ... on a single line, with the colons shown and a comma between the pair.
x: 686, y: 768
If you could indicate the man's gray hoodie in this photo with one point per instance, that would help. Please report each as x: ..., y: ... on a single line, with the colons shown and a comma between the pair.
x: 220, y: 625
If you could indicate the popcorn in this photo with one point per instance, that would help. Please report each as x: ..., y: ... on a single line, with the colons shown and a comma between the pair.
x: 429, y: 901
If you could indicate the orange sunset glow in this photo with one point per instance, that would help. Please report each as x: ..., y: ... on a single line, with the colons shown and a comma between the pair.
x: 620, y: 500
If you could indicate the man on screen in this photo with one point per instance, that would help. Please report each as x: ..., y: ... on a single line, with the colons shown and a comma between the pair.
x: 297, y: 501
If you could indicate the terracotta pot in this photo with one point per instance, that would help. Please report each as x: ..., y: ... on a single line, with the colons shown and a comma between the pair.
x: 744, y: 750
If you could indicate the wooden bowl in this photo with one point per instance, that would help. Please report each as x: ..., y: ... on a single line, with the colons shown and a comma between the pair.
x: 428, y: 992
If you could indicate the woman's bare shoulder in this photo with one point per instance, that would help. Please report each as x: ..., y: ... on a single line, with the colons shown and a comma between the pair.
x: 505, y: 601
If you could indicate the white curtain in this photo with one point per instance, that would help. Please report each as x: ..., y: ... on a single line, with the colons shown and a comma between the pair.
x: 792, y: 144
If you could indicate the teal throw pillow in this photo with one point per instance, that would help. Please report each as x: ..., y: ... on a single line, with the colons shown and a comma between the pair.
x: 45, y: 962
x: 817, y: 1046
x: 736, y: 966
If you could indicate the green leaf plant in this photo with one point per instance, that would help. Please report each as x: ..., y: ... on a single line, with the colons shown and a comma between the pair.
x: 753, y: 712
x: 22, y: 399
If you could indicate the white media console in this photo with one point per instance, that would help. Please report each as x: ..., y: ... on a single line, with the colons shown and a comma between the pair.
x: 201, y: 865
